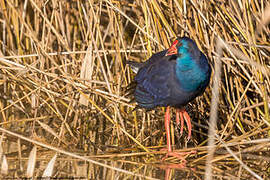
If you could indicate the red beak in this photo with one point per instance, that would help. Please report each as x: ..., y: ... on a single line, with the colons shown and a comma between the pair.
x: 172, y: 50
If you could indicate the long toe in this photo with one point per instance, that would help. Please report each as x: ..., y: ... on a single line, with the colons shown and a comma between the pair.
x: 188, y: 121
x: 178, y: 155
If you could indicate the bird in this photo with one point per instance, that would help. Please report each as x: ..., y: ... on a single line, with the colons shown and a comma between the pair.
x: 172, y: 78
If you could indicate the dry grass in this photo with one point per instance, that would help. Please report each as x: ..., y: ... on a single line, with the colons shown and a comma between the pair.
x: 62, y: 88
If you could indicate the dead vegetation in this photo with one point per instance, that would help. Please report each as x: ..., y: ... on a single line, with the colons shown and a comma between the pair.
x: 63, y: 108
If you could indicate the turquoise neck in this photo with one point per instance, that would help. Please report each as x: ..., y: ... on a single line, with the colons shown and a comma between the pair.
x: 188, y: 72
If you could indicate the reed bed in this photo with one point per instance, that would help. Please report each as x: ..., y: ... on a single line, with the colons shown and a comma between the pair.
x: 65, y: 112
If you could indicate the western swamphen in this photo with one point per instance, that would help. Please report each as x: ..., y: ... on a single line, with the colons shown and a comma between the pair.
x: 172, y: 77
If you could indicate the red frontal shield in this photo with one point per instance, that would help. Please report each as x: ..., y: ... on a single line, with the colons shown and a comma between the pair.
x: 172, y: 50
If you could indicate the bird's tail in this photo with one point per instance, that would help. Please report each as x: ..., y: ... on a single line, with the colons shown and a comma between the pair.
x: 135, y: 66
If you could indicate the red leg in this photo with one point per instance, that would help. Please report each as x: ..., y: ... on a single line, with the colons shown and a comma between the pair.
x: 167, y: 128
x: 188, y: 121
x: 168, y: 135
x: 184, y: 115
x: 179, y: 113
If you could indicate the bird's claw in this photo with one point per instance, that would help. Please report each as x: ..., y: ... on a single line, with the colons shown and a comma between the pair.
x: 183, y: 116
x: 178, y: 155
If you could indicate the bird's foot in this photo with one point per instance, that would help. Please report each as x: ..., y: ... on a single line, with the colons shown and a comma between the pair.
x: 178, y: 155
x: 183, y: 115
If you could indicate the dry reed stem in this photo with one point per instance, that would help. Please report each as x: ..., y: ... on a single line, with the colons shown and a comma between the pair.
x: 213, y: 113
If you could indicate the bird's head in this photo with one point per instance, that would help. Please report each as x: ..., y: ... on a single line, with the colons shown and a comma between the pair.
x: 182, y: 46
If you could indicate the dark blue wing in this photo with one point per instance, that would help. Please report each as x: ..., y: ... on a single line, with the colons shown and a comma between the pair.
x: 152, y: 81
